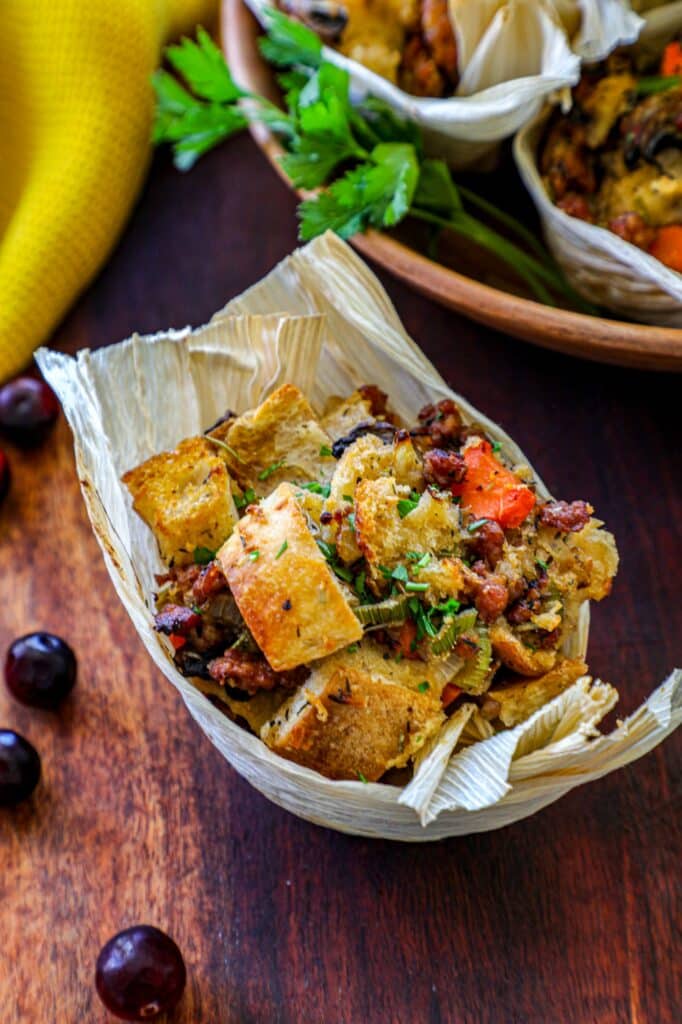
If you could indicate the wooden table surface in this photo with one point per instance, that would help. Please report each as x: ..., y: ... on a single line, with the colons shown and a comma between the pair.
x: 573, y: 915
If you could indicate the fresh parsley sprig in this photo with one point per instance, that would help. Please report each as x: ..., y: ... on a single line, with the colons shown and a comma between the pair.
x: 367, y: 162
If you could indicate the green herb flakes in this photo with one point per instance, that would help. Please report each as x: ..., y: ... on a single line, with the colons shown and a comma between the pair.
x: 202, y: 556
x: 285, y: 545
x: 272, y: 468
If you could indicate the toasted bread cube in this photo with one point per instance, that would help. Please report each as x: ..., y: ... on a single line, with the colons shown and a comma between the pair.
x: 384, y: 536
x: 348, y: 723
x: 185, y: 498
x: 286, y: 592
x: 513, y: 653
x: 519, y: 700
x: 280, y: 439
x: 340, y: 415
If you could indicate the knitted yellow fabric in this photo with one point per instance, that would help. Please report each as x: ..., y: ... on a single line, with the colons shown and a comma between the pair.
x: 75, y: 116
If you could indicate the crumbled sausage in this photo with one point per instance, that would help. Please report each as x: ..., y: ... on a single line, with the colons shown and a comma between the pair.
x: 443, y: 468
x: 442, y: 422
x: 175, y: 618
x: 492, y: 598
x: 249, y: 671
x: 569, y: 517
x: 210, y: 582
x: 633, y: 228
x: 488, y: 542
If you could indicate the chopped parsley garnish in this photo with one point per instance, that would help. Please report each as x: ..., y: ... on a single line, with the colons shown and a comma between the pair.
x: 316, y: 488
x: 420, y: 560
x: 352, y: 648
x: 406, y: 505
x: 202, y: 556
x: 476, y: 525
x: 400, y: 573
x: 496, y: 446
x: 342, y: 572
x: 247, y: 498
x: 362, y: 778
x: 351, y: 521
x: 328, y: 550
x: 347, y: 497
x: 449, y: 607
x: 272, y: 468
x: 196, y: 609
x: 422, y: 618
x: 543, y: 565
x: 411, y: 585
x: 359, y: 584
x: 423, y: 687
x: 254, y: 555
x: 325, y: 451
x: 285, y: 545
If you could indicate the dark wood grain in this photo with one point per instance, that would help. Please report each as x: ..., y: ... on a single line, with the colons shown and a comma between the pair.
x: 573, y: 915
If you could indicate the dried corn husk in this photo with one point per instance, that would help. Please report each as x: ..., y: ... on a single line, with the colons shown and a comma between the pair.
x: 513, y: 54
x: 339, y: 330
x: 601, y: 266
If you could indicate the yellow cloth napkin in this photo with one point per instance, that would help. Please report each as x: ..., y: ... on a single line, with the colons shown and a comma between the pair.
x: 75, y: 115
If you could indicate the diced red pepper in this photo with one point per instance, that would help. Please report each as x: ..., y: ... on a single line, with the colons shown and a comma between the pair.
x: 450, y: 693
x: 177, y: 640
x: 491, y: 491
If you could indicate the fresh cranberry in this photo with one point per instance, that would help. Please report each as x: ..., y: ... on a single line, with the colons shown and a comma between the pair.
x: 40, y: 670
x: 19, y: 768
x: 140, y: 973
x: 5, y: 475
x: 28, y: 409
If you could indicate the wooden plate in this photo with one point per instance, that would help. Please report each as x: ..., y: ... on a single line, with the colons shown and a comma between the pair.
x: 498, y: 303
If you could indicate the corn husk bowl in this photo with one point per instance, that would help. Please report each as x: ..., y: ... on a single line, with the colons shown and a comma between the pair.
x: 322, y: 321
x: 514, y: 54
x: 601, y: 266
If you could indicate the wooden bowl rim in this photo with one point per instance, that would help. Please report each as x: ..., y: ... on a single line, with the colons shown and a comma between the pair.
x: 578, y: 334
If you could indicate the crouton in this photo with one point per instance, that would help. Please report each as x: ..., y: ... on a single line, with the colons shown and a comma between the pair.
x: 340, y: 415
x: 383, y: 535
x: 584, y: 562
x: 520, y: 699
x: 255, y: 711
x: 280, y: 439
x: 185, y: 498
x: 348, y: 723
x: 369, y: 458
x: 293, y: 605
x: 515, y: 655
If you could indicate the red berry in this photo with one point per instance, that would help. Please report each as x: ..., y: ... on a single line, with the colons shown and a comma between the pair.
x: 19, y: 768
x: 140, y: 973
x: 40, y: 670
x: 28, y: 409
x: 5, y: 475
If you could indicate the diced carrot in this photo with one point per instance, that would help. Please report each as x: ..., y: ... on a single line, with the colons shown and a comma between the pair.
x: 177, y: 640
x: 671, y: 61
x: 449, y: 694
x: 667, y: 246
x: 407, y: 639
x: 491, y: 491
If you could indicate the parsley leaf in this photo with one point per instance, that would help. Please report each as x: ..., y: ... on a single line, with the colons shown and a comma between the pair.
x: 289, y: 43
x: 376, y: 193
x: 203, y: 67
x: 325, y: 450
x: 436, y: 191
x: 192, y: 127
